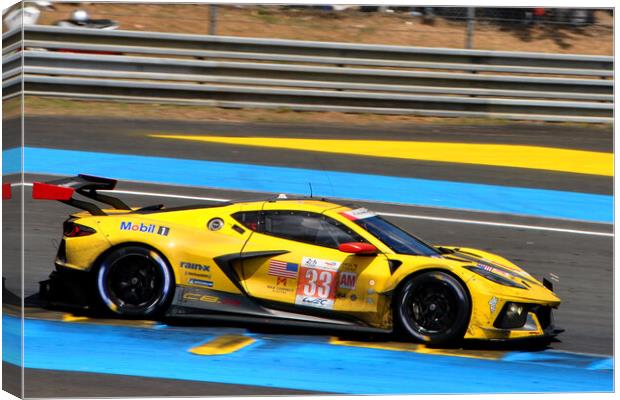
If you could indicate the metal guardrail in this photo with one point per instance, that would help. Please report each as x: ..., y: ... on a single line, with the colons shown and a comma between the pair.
x: 301, y: 75
x: 308, y: 48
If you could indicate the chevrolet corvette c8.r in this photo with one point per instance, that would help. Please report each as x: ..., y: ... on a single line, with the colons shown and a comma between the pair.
x: 303, y: 261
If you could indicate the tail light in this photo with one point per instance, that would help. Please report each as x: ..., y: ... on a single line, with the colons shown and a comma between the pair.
x: 71, y: 229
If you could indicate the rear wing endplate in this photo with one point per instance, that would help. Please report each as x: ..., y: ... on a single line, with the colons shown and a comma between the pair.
x: 85, y: 185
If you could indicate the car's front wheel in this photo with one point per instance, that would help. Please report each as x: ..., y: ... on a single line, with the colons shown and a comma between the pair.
x: 433, y: 307
x: 134, y: 281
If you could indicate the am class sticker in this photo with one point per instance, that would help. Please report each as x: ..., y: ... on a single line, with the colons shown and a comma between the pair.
x: 347, y: 280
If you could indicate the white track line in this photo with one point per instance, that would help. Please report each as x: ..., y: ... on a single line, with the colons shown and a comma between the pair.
x: 502, y: 224
x: 173, y: 196
x: 409, y: 216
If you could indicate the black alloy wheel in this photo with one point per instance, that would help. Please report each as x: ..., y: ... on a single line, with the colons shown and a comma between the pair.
x: 433, y: 307
x: 135, y: 281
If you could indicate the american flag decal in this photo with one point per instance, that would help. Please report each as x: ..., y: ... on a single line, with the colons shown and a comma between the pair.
x: 283, y: 269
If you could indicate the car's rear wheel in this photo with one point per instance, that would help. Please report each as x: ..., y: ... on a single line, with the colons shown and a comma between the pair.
x: 135, y: 281
x: 433, y: 307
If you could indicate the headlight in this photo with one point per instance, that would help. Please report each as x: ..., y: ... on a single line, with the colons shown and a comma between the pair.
x: 513, y: 316
x: 494, y: 277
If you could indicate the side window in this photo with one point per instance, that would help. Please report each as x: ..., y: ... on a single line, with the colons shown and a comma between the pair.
x: 333, y: 234
x: 309, y: 228
x: 249, y: 219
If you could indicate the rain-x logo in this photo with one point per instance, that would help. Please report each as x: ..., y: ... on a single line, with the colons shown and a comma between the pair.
x: 195, y: 266
x: 150, y: 228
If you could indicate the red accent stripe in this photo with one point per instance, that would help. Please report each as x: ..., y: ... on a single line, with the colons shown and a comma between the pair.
x: 45, y: 191
x: 347, y: 216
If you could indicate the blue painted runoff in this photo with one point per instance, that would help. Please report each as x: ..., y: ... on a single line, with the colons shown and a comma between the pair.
x: 12, y: 340
x: 365, y: 187
x: 295, y: 362
x: 11, y: 161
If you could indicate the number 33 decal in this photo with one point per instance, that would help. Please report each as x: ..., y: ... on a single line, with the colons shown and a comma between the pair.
x: 318, y: 283
x: 316, y: 286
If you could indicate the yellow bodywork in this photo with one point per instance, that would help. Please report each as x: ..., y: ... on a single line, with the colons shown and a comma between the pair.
x: 364, y: 285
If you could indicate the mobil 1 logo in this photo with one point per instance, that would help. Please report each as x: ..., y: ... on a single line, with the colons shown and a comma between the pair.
x: 144, y: 228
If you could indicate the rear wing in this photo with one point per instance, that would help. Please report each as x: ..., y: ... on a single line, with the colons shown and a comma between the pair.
x: 85, y: 185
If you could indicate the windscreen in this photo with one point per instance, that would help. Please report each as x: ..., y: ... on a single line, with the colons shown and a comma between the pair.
x: 398, y: 240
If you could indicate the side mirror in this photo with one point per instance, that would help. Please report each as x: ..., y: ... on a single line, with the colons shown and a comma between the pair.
x: 358, y: 248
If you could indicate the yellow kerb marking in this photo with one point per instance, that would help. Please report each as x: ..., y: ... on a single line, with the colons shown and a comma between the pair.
x: 420, y: 348
x: 73, y: 318
x: 222, y: 345
x: 499, y: 155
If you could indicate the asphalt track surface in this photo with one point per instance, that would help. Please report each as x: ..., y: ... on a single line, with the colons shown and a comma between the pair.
x: 62, y: 384
x: 584, y: 262
x: 131, y: 137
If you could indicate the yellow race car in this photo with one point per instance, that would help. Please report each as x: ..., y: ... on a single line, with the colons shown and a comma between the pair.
x: 299, y: 261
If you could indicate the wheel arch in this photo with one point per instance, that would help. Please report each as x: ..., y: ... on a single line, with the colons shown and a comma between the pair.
x: 406, y: 278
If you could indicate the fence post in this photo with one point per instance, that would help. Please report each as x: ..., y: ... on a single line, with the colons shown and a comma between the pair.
x: 471, y: 17
x: 212, y: 19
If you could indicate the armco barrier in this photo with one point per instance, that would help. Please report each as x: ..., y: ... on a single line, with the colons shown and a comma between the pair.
x: 302, y: 75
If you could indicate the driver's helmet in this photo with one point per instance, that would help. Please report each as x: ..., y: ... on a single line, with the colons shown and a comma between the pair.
x: 80, y: 16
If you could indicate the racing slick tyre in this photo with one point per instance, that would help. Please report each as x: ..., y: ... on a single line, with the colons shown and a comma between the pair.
x: 434, y: 308
x: 134, y: 281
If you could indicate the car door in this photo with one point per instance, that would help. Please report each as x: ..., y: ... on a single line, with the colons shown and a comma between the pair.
x: 304, y: 267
